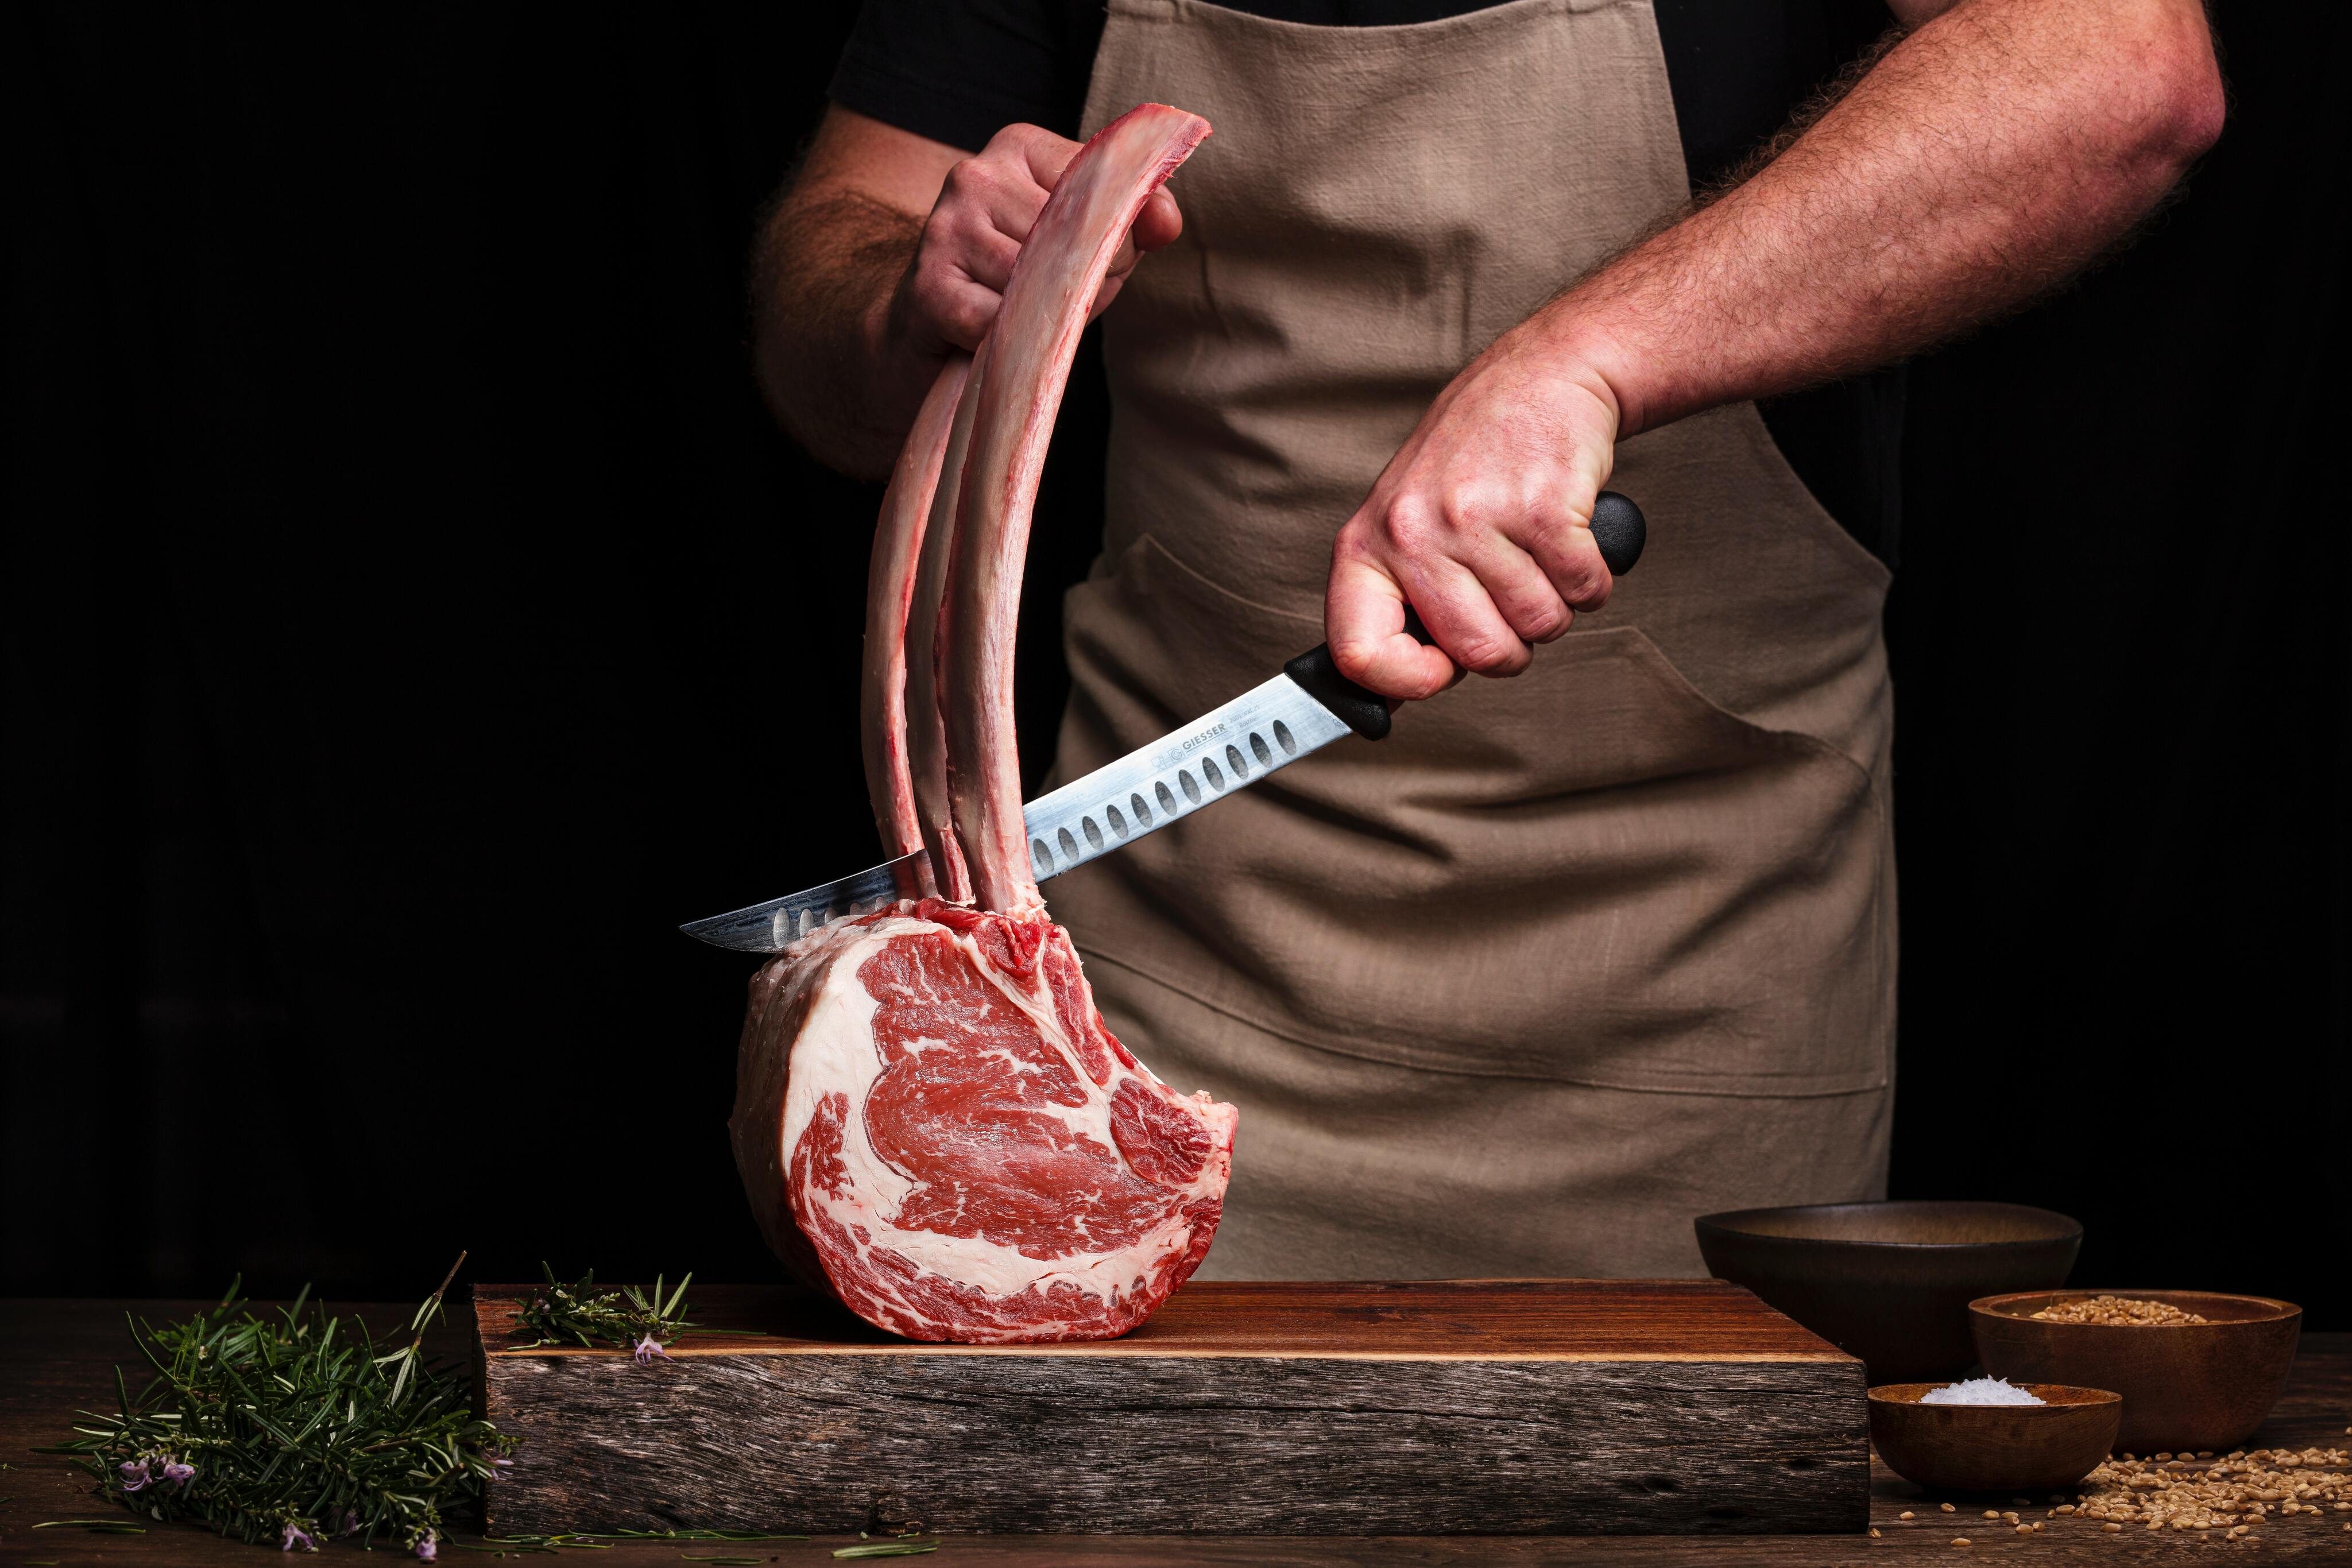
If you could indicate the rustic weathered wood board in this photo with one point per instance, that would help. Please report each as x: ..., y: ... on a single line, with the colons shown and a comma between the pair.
x: 1501, y: 1407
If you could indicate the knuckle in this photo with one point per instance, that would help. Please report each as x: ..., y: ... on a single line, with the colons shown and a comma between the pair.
x: 1488, y: 654
x: 935, y: 257
x: 1582, y: 577
x: 965, y: 319
x: 970, y: 180
x: 954, y: 223
x: 1543, y: 623
x: 1411, y: 522
x: 1470, y: 510
x: 938, y: 233
x: 935, y: 290
x: 1587, y: 587
x: 1010, y: 140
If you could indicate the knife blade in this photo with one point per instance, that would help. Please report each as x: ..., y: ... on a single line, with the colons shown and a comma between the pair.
x: 1257, y: 734
x: 1262, y: 730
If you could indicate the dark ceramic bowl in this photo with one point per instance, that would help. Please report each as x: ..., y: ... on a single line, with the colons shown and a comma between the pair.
x: 2185, y: 1385
x: 1891, y: 1282
x: 1994, y: 1447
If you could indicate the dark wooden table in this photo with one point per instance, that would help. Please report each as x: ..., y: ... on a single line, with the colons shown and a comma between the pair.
x: 59, y: 1356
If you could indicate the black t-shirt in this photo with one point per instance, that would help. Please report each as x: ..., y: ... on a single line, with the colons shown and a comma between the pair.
x: 957, y: 70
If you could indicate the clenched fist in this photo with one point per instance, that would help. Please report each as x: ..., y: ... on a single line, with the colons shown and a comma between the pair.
x: 950, y: 292
x: 1479, y: 523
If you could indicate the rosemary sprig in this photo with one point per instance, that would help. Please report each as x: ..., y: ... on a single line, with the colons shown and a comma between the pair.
x: 580, y: 1311
x: 286, y: 1429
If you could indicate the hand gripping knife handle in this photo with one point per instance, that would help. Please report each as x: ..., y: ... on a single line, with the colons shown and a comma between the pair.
x: 1617, y: 528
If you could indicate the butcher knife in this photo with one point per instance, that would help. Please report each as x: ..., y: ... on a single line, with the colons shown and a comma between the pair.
x: 1304, y: 708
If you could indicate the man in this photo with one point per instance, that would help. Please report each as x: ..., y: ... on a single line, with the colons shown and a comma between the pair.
x: 1576, y: 956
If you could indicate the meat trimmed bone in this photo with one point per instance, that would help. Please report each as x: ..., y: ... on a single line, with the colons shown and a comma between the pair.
x: 1016, y: 391
x: 927, y: 742
x: 890, y: 584
x: 930, y: 1118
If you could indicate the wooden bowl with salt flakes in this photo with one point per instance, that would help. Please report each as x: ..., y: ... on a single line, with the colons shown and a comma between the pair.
x: 2197, y: 1370
x: 2011, y: 1447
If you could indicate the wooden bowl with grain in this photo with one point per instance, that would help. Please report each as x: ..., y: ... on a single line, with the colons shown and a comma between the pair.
x: 1994, y: 1447
x: 2185, y: 1385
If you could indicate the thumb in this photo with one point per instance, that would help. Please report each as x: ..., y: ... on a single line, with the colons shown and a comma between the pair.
x: 1363, y: 621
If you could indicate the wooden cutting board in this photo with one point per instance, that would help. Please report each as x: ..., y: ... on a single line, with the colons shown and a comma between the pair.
x: 1547, y: 1406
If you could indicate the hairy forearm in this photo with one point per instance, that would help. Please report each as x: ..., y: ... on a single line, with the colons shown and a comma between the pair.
x: 1985, y: 158
x: 827, y: 261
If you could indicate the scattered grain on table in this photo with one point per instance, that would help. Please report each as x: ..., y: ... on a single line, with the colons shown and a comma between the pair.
x: 2236, y: 1493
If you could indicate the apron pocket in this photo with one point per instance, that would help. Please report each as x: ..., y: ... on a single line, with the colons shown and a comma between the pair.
x: 1589, y: 874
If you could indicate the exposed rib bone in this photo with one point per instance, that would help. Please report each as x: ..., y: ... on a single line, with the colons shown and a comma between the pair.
x: 927, y: 744
x: 890, y: 590
x: 1014, y: 393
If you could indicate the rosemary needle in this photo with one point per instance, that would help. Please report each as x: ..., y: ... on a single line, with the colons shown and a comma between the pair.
x: 912, y: 1546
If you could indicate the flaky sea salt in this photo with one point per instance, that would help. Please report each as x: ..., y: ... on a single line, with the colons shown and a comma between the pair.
x: 1979, y: 1390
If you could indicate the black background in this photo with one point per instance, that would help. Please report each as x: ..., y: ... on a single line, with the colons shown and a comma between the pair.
x: 407, y: 614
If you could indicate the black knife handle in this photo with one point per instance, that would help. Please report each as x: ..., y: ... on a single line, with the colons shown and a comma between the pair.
x: 1617, y: 528
x: 1620, y: 529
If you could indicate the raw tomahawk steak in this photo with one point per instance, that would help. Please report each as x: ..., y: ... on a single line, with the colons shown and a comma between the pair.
x: 930, y: 1118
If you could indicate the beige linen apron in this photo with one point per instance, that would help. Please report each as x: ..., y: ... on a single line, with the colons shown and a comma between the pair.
x: 1570, y: 958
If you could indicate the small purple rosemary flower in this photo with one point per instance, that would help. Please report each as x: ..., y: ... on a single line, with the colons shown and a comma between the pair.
x: 427, y: 1548
x: 179, y: 1474
x: 135, y: 1474
x: 497, y: 1465
x: 295, y: 1533
x: 648, y: 1348
x: 350, y: 1521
